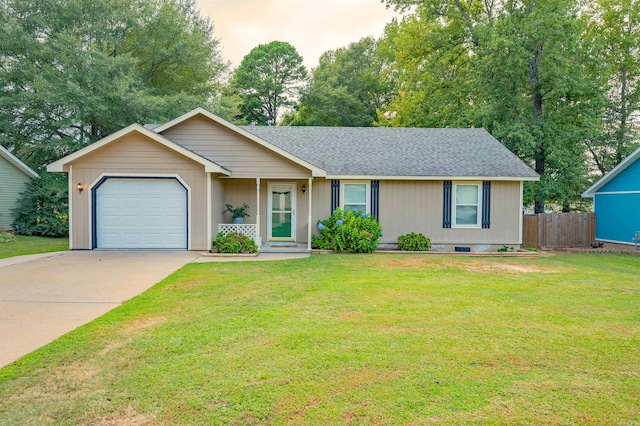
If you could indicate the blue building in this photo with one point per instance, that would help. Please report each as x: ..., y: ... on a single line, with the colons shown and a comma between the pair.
x: 617, y: 201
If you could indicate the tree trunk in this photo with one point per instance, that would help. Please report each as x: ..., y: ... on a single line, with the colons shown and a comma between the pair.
x: 624, y: 115
x: 536, y: 100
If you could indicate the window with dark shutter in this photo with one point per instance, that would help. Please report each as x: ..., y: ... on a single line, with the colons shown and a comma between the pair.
x: 446, y: 205
x: 375, y: 199
x: 486, y: 204
x: 335, y: 195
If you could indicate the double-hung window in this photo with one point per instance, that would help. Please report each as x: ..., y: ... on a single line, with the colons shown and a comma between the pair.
x: 355, y: 195
x: 467, y: 208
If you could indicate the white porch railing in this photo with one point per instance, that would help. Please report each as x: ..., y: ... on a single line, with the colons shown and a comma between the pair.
x: 247, y: 229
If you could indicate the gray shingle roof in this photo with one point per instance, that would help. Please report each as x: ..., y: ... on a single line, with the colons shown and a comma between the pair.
x: 382, y: 151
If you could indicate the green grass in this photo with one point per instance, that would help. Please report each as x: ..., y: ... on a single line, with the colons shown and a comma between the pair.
x: 32, y: 245
x: 352, y: 339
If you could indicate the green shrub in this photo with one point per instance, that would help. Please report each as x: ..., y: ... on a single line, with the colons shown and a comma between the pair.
x: 5, y: 237
x: 348, y: 231
x: 414, y: 242
x: 43, y: 209
x: 505, y: 249
x: 233, y: 243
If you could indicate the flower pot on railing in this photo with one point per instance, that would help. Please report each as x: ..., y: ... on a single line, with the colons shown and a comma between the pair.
x: 237, y: 213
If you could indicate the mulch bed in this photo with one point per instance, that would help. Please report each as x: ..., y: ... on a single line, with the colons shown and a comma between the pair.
x: 606, y: 248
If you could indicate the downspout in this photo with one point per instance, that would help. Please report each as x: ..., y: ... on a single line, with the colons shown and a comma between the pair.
x: 258, y: 235
x: 310, y: 218
x: 70, y: 178
x: 521, y: 208
x: 209, y: 207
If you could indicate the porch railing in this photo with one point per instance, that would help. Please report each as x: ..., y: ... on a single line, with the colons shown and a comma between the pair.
x: 247, y: 229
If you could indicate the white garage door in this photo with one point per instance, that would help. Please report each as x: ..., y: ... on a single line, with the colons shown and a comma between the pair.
x: 141, y: 214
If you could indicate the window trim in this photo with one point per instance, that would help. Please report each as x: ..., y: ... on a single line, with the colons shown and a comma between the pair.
x: 454, y: 205
x: 367, y: 184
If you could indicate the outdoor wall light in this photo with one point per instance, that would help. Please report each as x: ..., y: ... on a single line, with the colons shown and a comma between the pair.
x: 304, y: 188
x: 80, y: 187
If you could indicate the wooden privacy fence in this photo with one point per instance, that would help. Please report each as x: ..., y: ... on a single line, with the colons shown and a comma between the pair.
x: 558, y: 229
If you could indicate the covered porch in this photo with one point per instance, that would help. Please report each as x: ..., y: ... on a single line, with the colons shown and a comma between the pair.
x: 280, y: 211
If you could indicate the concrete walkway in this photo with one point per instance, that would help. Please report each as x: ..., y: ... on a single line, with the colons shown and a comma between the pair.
x: 45, y: 296
x: 259, y: 258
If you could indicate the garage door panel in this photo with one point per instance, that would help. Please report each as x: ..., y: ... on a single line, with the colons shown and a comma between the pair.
x: 130, y: 203
x: 174, y: 238
x: 110, y: 238
x: 132, y: 238
x: 110, y: 220
x: 141, y: 213
x: 154, y: 221
x: 174, y: 203
x: 156, y: 204
x: 155, y: 239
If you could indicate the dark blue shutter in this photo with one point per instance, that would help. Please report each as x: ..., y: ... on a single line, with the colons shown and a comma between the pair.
x: 486, y: 204
x: 335, y: 195
x: 446, y: 206
x: 375, y: 199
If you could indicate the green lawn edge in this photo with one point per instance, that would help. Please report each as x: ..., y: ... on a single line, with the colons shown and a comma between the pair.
x: 339, y: 339
x: 25, y: 245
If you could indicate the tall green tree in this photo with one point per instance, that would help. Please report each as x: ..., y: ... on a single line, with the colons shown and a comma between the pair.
x: 543, y: 103
x: 346, y: 88
x: 515, y: 67
x: 72, y: 72
x: 268, y: 79
x: 613, y: 35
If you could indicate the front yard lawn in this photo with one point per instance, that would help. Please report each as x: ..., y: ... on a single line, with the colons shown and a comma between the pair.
x: 32, y: 245
x: 352, y: 339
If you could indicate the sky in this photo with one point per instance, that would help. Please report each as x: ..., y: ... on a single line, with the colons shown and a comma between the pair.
x: 311, y: 26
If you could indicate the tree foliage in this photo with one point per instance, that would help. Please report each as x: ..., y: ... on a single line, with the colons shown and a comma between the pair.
x: 72, y: 72
x: 612, y: 35
x: 268, y: 79
x: 518, y: 68
x: 346, y: 88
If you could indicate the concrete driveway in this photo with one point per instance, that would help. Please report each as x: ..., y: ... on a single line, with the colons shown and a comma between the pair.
x: 43, y: 297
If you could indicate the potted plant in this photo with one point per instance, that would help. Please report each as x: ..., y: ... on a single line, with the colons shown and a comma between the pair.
x: 238, y: 213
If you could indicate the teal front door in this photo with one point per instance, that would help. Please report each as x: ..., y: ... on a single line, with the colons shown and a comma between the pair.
x: 282, y: 213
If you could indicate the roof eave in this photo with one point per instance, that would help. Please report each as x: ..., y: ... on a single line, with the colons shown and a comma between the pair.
x: 17, y: 163
x: 409, y: 177
x: 591, y: 192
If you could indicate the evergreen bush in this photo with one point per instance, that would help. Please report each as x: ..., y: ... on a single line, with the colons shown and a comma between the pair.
x: 43, y: 209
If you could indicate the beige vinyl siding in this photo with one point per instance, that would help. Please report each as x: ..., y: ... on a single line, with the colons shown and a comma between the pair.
x: 137, y: 156
x: 239, y: 191
x: 416, y: 206
x: 12, y: 183
x: 232, y: 151
x: 321, y: 201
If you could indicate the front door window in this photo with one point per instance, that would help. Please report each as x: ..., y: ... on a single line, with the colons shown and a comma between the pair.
x: 282, y: 212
